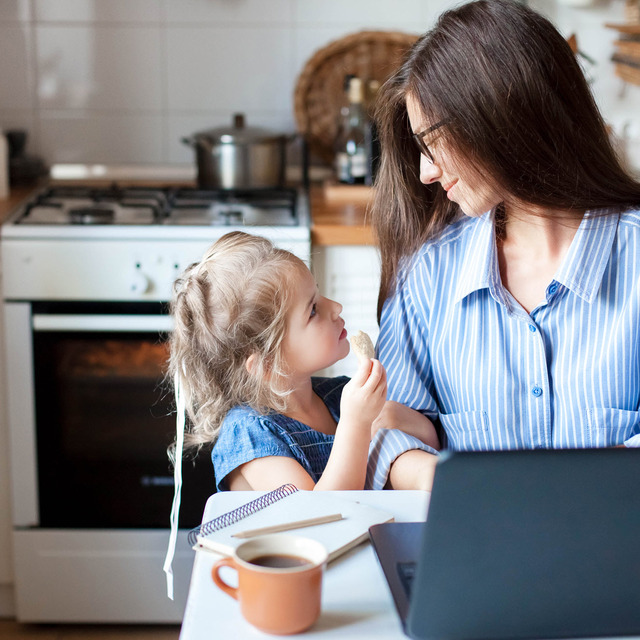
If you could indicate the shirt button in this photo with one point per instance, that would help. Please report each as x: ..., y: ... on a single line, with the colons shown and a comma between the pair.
x: 537, y: 391
x: 532, y: 328
x: 552, y: 289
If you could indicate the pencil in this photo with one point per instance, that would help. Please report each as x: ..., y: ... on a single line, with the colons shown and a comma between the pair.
x: 287, y: 526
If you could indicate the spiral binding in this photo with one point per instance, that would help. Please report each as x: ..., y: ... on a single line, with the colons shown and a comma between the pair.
x: 241, y: 512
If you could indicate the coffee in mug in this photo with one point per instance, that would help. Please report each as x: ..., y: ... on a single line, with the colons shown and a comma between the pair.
x: 279, y: 581
x: 278, y: 561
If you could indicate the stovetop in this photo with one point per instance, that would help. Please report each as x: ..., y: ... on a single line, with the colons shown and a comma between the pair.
x: 142, y: 206
x: 130, y: 244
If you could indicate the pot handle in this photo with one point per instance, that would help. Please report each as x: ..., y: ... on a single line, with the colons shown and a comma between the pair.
x: 190, y: 141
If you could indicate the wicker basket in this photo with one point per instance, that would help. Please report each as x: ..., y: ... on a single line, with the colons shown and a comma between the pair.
x: 319, y: 93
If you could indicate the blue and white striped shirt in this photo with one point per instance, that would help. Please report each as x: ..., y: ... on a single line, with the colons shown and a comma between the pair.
x: 458, y: 346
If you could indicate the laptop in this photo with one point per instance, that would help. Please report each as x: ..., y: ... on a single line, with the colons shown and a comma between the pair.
x: 521, y: 544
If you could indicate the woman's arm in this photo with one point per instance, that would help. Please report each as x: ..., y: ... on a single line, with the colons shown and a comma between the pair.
x: 398, y: 416
x: 414, y: 469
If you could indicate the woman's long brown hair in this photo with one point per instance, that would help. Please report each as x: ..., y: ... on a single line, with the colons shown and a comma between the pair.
x: 519, y: 111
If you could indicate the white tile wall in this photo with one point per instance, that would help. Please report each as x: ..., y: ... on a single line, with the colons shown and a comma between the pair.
x: 229, y: 68
x: 370, y: 12
x: 99, y: 11
x: 237, y: 12
x: 15, y: 68
x: 85, y: 67
x: 112, y: 137
x: 15, y: 10
x: 124, y: 80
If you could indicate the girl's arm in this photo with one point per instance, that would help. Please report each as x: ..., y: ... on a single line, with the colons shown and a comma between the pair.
x: 270, y: 472
x: 362, y: 399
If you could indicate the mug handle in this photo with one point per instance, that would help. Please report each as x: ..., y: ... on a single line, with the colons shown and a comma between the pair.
x: 215, y: 574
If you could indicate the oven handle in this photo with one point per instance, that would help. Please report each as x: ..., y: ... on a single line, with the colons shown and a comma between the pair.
x: 106, y: 322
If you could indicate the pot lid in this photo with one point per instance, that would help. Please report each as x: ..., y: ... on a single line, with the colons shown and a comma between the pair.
x: 238, y: 133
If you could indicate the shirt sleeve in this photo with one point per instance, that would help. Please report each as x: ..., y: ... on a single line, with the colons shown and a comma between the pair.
x: 386, y: 446
x: 245, y: 437
x: 403, y: 344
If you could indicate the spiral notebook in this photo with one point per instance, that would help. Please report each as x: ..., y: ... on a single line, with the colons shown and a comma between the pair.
x: 288, y: 504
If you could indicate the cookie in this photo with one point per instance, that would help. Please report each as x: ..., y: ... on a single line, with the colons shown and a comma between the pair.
x: 362, y: 345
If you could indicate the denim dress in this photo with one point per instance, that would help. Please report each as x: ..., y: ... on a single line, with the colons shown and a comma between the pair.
x: 246, y: 435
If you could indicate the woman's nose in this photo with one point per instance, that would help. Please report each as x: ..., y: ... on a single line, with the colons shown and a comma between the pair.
x: 429, y: 171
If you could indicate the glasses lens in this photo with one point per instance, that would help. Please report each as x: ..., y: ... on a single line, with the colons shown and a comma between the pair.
x: 422, y: 146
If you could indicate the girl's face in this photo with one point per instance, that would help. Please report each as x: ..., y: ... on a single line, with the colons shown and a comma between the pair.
x: 463, y: 184
x: 315, y: 337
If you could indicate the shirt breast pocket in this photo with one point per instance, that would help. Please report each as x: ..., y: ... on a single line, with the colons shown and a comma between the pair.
x: 609, y: 427
x: 467, y: 430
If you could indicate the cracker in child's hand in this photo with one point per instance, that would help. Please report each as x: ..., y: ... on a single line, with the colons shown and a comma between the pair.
x: 362, y: 345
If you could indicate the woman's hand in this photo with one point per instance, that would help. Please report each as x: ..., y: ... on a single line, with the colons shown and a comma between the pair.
x: 364, y: 396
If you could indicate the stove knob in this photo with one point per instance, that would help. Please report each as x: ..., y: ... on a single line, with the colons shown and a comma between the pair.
x: 139, y: 283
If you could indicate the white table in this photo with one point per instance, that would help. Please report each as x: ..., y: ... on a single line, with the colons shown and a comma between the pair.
x: 356, y: 602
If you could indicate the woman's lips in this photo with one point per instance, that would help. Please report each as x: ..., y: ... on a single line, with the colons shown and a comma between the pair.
x: 343, y: 334
x: 448, y: 188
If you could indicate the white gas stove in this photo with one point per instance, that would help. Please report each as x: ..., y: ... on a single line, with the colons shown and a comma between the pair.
x: 87, y: 273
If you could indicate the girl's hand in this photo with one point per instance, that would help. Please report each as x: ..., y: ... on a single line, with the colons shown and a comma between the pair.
x: 363, y: 397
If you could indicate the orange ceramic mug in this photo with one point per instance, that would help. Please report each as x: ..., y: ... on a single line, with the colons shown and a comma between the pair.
x: 279, y: 581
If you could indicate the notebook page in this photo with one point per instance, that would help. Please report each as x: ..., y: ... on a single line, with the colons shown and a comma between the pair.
x: 337, y: 537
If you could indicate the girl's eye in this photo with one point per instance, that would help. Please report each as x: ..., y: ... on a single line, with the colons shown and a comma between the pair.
x: 313, y: 310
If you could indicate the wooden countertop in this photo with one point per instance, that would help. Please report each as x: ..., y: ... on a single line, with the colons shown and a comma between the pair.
x: 334, y: 220
x: 17, y: 195
x: 339, y: 219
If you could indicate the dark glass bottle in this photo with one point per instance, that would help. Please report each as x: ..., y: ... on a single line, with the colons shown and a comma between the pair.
x: 350, y: 148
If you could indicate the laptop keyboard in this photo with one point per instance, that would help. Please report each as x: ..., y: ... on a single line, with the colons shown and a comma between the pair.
x: 407, y: 572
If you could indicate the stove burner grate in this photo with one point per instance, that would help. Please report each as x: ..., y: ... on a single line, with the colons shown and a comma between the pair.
x: 115, y: 205
x: 91, y: 215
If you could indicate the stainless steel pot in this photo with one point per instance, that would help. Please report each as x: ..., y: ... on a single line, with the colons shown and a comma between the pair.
x: 239, y: 157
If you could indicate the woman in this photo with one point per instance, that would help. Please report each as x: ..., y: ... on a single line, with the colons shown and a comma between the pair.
x: 510, y: 235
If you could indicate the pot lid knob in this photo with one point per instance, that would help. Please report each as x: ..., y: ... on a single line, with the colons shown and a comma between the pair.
x: 238, y: 120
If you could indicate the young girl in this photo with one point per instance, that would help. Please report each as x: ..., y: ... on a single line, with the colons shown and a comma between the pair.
x: 250, y: 330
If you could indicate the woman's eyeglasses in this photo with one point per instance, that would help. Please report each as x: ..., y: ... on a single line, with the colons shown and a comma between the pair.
x: 422, y: 145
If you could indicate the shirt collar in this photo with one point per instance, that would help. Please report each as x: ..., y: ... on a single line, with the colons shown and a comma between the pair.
x: 480, y: 268
x: 584, y: 265
x: 581, y: 270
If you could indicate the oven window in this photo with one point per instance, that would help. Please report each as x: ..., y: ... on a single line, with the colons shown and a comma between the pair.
x: 105, y: 418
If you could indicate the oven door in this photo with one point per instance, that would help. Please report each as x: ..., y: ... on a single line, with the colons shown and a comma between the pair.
x: 104, y: 417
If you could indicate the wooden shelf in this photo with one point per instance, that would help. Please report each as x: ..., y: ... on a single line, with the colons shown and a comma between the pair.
x: 627, y: 54
x: 629, y: 27
x: 628, y: 74
x: 627, y: 47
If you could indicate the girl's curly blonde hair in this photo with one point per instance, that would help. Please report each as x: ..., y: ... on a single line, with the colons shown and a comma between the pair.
x: 229, y: 306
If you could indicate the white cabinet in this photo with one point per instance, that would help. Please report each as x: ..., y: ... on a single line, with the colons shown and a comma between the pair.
x: 349, y: 275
